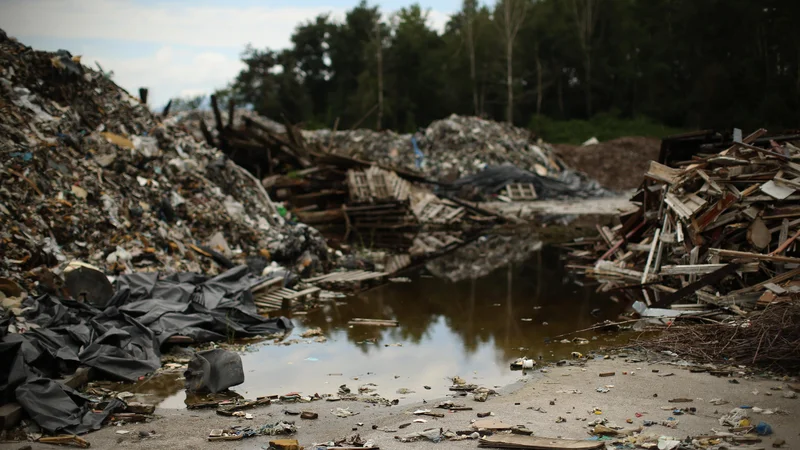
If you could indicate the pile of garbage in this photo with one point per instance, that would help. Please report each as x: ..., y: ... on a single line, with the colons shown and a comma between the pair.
x: 456, y: 147
x: 714, y: 234
x: 90, y: 174
x: 95, y: 190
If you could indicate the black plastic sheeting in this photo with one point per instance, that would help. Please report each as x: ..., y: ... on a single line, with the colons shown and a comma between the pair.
x: 493, y: 179
x: 121, y: 341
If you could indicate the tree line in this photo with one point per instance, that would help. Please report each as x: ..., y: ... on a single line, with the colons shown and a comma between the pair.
x: 683, y: 63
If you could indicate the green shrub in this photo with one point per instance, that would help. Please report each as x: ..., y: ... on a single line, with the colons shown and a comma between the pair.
x: 603, y: 126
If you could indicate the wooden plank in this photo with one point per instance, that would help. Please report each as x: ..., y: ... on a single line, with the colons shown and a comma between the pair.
x: 650, y: 255
x: 786, y: 244
x: 536, y: 443
x: 775, y: 280
x: 691, y: 288
x: 747, y: 255
x: 711, y: 214
x: 303, y: 293
x: 660, y: 172
x: 702, y: 269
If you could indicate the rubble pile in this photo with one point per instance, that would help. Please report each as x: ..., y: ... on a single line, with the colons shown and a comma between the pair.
x: 716, y: 232
x: 89, y: 173
x: 449, y: 149
x: 95, y: 190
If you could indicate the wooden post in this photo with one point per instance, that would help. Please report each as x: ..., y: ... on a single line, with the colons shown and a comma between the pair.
x: 165, y: 113
x: 143, y: 95
x: 231, y: 108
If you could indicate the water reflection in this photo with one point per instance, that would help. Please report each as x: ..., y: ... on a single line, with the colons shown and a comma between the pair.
x: 473, y: 327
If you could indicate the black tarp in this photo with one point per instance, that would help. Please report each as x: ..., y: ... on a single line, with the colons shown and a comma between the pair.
x: 57, y: 408
x: 121, y: 341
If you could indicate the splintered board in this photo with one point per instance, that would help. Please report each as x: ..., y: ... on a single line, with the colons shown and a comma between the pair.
x: 536, y: 443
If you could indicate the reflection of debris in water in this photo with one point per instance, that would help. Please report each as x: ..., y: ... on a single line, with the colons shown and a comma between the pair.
x: 482, y: 256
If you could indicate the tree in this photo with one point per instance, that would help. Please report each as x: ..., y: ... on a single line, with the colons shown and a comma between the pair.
x: 511, y: 18
x: 187, y: 103
x: 310, y: 49
x: 468, y: 9
x: 585, y: 14
x: 379, y: 58
x: 679, y: 62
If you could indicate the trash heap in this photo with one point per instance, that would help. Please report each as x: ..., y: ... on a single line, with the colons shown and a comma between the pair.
x: 95, y: 189
x: 457, y: 147
x: 88, y: 173
x: 348, y: 199
x: 714, y: 234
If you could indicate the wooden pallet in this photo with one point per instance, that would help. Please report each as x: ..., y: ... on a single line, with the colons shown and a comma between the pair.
x: 376, y: 185
x: 349, y: 277
x: 284, y: 298
x: 271, y: 295
x: 521, y: 192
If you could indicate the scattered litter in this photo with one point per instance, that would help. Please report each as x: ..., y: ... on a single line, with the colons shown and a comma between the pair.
x: 343, y: 412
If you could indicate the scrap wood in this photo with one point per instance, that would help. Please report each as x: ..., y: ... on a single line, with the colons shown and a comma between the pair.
x: 698, y: 216
x: 749, y: 255
x: 785, y: 244
x: 691, y: 288
x: 536, y: 443
x: 374, y: 322
x: 774, y: 280
x: 67, y: 439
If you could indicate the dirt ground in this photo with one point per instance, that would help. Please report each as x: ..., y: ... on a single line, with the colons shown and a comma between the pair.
x: 536, y: 401
x: 617, y: 164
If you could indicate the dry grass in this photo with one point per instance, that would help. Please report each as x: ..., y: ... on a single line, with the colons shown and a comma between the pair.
x: 768, y: 338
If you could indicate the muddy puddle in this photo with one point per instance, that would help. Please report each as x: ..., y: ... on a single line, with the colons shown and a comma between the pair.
x: 461, y: 315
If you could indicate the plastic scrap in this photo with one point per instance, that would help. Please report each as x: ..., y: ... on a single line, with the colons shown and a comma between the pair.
x: 214, y: 371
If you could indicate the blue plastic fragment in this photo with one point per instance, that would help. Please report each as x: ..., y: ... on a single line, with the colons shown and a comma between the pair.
x: 763, y: 429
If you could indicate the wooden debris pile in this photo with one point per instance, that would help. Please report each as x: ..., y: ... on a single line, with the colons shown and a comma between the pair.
x: 721, y: 229
x: 346, y: 198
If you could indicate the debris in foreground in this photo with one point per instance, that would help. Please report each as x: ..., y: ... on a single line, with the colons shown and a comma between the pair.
x: 536, y: 443
x: 239, y: 432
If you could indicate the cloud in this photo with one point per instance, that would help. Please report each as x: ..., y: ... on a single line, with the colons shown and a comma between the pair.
x: 176, y: 23
x: 172, y: 47
x: 438, y: 20
x: 168, y: 73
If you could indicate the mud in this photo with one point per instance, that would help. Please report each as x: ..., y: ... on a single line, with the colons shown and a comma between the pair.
x: 644, y: 389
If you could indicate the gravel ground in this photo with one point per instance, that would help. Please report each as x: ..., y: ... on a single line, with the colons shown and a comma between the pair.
x: 642, y: 390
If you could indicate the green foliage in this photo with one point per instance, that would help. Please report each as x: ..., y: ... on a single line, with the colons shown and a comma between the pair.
x: 187, y: 103
x: 604, y: 126
x: 684, y: 63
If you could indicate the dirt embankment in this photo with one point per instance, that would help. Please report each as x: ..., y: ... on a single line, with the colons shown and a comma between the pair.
x: 617, y: 164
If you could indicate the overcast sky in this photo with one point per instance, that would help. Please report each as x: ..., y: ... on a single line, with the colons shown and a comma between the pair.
x: 178, y: 47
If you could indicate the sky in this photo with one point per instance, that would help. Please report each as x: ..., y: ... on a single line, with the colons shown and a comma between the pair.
x: 176, y: 48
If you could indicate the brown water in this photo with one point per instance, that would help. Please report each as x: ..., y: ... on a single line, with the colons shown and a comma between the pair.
x: 472, y: 328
